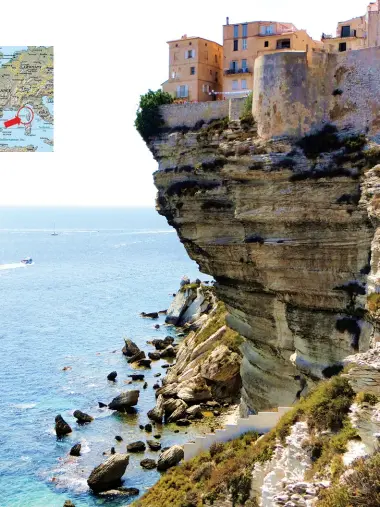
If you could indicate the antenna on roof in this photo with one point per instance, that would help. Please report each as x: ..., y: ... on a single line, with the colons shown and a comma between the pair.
x: 227, y: 20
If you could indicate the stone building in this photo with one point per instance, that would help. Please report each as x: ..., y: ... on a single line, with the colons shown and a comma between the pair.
x: 195, y: 69
x: 244, y: 42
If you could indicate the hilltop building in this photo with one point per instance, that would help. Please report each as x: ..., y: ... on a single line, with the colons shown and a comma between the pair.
x: 195, y: 69
x: 356, y: 33
x: 244, y: 42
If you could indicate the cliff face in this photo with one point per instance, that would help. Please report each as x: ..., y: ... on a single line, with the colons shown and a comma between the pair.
x: 285, y: 229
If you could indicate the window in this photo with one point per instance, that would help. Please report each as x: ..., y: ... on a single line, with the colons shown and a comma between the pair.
x: 182, y: 91
x: 266, y: 29
x: 244, y: 46
x: 235, y: 84
x: 190, y: 53
x: 176, y: 45
x: 190, y: 43
x: 236, y: 31
x: 346, y: 31
x: 245, y: 30
x: 206, y: 56
x: 206, y: 88
x: 342, y: 46
x: 216, y: 77
x: 192, y: 71
x: 244, y: 64
x: 234, y: 66
x: 216, y: 58
x: 283, y: 44
x: 236, y: 45
x: 266, y: 44
x: 243, y: 84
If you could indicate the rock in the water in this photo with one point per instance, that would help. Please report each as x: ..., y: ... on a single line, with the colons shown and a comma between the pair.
x: 153, y: 446
x: 125, y: 400
x: 61, y: 426
x: 162, y: 312
x: 136, y: 376
x: 118, y: 438
x: 165, y: 366
x: 160, y: 344
x: 156, y: 386
x: 154, y: 356
x: 75, y: 450
x: 141, y: 426
x: 108, y: 475
x: 183, y: 422
x: 170, y: 458
x: 120, y: 492
x: 113, y: 450
x: 68, y: 503
x: 148, y: 428
x: 145, y: 385
x: 136, y: 357
x: 102, y: 405
x: 82, y: 417
x: 157, y: 326
x: 138, y: 446
x: 144, y: 363
x: 149, y: 464
x: 168, y: 352
x: 157, y: 375
x: 130, y: 348
x: 157, y: 436
x: 112, y: 376
x: 157, y: 413
x: 185, y: 280
x: 152, y: 315
x: 168, y: 391
x: 195, y: 411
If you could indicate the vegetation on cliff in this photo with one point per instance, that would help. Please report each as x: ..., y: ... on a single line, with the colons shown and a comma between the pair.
x: 225, y: 470
x: 148, y: 118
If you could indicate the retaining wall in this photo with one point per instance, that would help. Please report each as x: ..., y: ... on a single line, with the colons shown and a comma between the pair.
x: 262, y: 423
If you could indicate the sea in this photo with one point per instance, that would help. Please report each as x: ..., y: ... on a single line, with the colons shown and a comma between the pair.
x: 62, y: 323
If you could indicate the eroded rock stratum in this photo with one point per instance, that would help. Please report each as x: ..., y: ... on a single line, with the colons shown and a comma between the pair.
x: 287, y: 227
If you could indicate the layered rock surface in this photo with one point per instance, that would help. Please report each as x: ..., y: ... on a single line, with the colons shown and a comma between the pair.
x: 287, y: 234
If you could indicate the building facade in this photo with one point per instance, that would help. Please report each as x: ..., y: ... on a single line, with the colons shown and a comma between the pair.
x: 244, y: 42
x: 195, y: 69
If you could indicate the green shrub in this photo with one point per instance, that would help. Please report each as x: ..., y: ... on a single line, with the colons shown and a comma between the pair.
x: 369, y: 398
x: 373, y: 302
x: 246, y: 116
x: 372, y: 156
x: 148, y: 118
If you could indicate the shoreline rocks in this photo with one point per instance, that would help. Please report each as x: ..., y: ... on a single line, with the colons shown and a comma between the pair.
x: 112, y: 376
x: 138, y: 446
x: 82, y: 417
x: 170, y: 457
x: 108, y: 474
x: 61, y: 427
x: 75, y: 450
x: 125, y: 401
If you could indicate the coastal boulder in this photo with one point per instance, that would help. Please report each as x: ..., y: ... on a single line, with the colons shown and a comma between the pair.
x: 82, y: 417
x: 194, y: 391
x: 179, y: 412
x: 68, y: 503
x: 75, y: 450
x: 154, y: 356
x: 61, y: 426
x: 179, y: 305
x: 136, y: 376
x: 125, y: 400
x: 138, y: 446
x: 149, y: 464
x: 136, y: 357
x: 153, y: 445
x: 144, y: 363
x: 112, y: 376
x: 168, y: 352
x: 130, y: 348
x: 152, y: 315
x: 170, y: 458
x: 157, y: 413
x: 194, y: 411
x: 108, y: 475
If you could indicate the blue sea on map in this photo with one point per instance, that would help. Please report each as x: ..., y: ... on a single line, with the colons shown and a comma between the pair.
x: 40, y: 131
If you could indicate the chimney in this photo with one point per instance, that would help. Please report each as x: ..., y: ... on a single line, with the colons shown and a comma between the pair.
x: 227, y: 21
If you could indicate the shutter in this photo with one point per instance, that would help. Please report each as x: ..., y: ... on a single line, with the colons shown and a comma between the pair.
x: 186, y: 91
x: 186, y: 54
x: 178, y: 91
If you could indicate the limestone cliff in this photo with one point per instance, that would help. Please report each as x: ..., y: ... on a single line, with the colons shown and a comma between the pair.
x: 285, y: 227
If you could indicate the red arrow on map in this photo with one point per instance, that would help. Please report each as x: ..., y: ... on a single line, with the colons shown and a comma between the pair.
x: 14, y: 121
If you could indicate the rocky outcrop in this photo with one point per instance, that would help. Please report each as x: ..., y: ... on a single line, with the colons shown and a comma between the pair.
x: 82, y: 417
x: 125, y: 401
x: 108, y: 475
x: 170, y: 457
x: 75, y: 450
x: 286, y: 228
x: 61, y: 427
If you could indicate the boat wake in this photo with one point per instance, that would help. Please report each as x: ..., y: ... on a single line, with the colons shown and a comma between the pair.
x: 13, y: 265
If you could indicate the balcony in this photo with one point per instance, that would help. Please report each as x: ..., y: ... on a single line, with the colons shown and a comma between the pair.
x: 245, y: 70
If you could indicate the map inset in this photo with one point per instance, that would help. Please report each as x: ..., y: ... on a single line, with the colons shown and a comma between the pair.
x: 26, y: 98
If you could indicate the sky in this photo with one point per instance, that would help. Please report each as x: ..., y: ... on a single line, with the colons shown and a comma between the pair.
x: 108, y: 53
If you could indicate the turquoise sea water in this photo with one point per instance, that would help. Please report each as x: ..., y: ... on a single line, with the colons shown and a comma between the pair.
x: 72, y: 307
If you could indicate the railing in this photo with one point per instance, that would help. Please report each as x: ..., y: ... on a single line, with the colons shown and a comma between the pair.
x: 244, y: 70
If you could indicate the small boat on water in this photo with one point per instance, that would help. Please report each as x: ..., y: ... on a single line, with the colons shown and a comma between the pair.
x: 54, y: 233
x: 27, y: 260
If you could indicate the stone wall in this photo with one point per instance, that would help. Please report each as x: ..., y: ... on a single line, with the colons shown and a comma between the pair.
x: 189, y: 114
x: 295, y: 92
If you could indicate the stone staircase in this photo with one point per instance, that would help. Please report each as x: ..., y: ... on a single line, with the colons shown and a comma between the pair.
x: 261, y: 423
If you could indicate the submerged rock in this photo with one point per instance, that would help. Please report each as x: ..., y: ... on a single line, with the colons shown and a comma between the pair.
x: 120, y: 492
x: 170, y: 458
x: 108, y: 475
x: 149, y: 464
x: 75, y: 450
x: 102, y: 405
x: 168, y: 352
x: 125, y: 400
x: 137, y: 376
x: 154, y: 356
x: 118, y: 438
x: 138, y: 446
x: 145, y: 385
x: 148, y: 428
x: 68, y: 503
x: 82, y: 417
x: 152, y: 315
x: 112, y: 376
x: 144, y: 363
x: 153, y: 446
x: 61, y: 426
x: 136, y: 357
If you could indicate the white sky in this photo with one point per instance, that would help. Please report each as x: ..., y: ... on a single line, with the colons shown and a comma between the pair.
x: 107, y: 53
